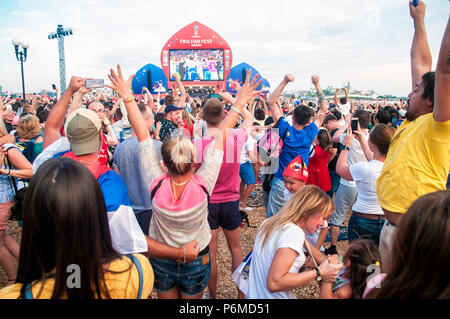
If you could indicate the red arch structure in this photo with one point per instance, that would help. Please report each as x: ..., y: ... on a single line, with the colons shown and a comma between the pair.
x: 201, y: 57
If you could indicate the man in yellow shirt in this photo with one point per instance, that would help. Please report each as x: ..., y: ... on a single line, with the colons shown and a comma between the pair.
x: 419, y: 156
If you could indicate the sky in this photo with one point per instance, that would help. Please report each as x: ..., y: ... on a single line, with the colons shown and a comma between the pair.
x: 366, y: 42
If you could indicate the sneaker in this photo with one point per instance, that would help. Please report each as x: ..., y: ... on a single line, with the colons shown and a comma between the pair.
x: 331, y: 251
x: 206, y: 295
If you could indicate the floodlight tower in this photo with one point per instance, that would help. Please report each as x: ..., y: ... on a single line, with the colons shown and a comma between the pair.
x: 60, y: 34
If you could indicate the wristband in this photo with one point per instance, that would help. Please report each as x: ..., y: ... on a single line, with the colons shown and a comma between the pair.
x: 235, y: 109
x: 128, y: 99
x: 344, y: 147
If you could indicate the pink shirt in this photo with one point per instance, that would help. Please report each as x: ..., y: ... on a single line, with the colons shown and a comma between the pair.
x: 176, y: 223
x: 227, y: 185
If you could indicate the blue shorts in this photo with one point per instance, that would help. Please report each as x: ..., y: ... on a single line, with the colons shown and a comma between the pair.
x: 247, y: 174
x: 225, y: 215
x: 190, y: 278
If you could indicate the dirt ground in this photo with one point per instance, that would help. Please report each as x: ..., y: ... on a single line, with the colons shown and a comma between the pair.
x: 226, y: 288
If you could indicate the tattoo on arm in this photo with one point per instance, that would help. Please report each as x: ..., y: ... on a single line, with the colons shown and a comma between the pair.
x: 321, y: 97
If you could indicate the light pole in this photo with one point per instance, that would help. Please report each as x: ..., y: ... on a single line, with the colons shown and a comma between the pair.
x: 22, y: 57
x: 60, y: 34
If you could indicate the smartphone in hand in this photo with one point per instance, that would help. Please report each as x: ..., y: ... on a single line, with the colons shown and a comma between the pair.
x: 354, y: 124
x: 53, y: 87
x: 95, y: 83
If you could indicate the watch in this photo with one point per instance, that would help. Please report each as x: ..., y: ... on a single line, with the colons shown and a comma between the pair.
x: 319, y: 277
x: 344, y: 147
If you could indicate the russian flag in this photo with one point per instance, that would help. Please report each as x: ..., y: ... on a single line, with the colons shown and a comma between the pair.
x: 126, y: 234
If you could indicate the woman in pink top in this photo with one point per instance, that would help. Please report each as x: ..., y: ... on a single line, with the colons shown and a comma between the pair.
x: 180, y: 196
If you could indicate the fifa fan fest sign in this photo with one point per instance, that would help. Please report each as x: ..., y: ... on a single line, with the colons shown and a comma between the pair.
x: 200, y: 57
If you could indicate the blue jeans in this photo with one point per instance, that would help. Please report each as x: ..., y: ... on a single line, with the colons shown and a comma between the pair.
x: 335, y: 181
x: 359, y: 227
x: 276, y: 197
x: 191, y: 278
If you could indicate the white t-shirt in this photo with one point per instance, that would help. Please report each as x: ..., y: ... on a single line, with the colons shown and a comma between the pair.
x: 248, y: 146
x: 355, y: 155
x: 292, y: 237
x: 313, y: 238
x: 344, y: 108
x: 365, y: 174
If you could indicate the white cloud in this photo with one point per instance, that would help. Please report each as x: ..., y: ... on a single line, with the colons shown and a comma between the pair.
x: 365, y: 42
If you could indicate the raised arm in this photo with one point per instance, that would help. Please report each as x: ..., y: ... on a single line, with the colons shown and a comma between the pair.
x: 441, y: 109
x: 78, y: 98
x: 420, y: 51
x: 246, y: 92
x: 276, y: 113
x: 56, y: 116
x: 180, y: 85
x: 322, y: 102
x: 123, y: 89
x: 335, y: 97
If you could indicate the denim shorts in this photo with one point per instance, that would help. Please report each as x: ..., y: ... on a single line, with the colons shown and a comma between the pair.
x: 225, y: 215
x: 247, y: 173
x: 190, y: 278
x: 360, y: 227
x: 344, y: 199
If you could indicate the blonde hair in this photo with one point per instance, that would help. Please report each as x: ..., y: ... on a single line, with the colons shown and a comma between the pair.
x: 307, y: 201
x: 178, y: 155
x: 28, y: 126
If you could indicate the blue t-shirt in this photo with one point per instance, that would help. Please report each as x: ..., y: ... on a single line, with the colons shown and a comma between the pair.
x: 128, y: 160
x: 295, y: 143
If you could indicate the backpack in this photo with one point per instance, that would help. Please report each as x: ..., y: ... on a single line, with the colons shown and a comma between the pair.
x: 19, y: 194
x: 270, y: 146
x: 28, y: 149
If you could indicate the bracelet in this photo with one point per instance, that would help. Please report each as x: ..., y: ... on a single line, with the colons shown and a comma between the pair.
x: 179, y: 255
x: 235, y: 109
x: 128, y: 99
x: 184, y: 255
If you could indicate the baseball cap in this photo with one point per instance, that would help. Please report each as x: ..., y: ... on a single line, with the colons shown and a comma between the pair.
x: 402, y: 113
x: 297, y: 169
x: 82, y: 128
x: 170, y: 108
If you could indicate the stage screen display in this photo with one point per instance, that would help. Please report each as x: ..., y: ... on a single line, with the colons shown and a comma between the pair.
x: 197, y: 64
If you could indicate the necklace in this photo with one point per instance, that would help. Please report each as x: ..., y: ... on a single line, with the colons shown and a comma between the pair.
x: 179, y: 184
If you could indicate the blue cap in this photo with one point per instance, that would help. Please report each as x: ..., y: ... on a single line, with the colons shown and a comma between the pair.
x: 170, y: 108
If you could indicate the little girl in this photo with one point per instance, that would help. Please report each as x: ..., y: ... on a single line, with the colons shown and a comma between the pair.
x: 362, y: 254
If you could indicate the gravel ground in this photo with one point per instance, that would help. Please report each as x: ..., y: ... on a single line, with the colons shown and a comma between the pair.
x: 226, y: 288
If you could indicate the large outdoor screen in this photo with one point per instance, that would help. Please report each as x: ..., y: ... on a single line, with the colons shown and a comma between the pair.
x: 197, y: 65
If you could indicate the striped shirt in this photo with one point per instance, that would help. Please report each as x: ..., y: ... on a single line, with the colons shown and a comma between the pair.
x: 176, y: 223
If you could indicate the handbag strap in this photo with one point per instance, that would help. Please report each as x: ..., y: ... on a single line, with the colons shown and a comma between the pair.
x: 139, y: 269
x: 11, y: 179
x: 310, y: 253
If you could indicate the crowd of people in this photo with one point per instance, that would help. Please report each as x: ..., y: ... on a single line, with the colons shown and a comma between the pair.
x: 124, y: 193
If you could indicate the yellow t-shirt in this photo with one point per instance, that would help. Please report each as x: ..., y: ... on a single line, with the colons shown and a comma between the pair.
x: 123, y: 285
x: 417, y: 163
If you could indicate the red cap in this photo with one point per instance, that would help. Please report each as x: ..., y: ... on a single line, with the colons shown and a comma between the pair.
x: 297, y: 169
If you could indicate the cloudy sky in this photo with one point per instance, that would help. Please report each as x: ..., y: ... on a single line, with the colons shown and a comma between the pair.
x: 366, y: 42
